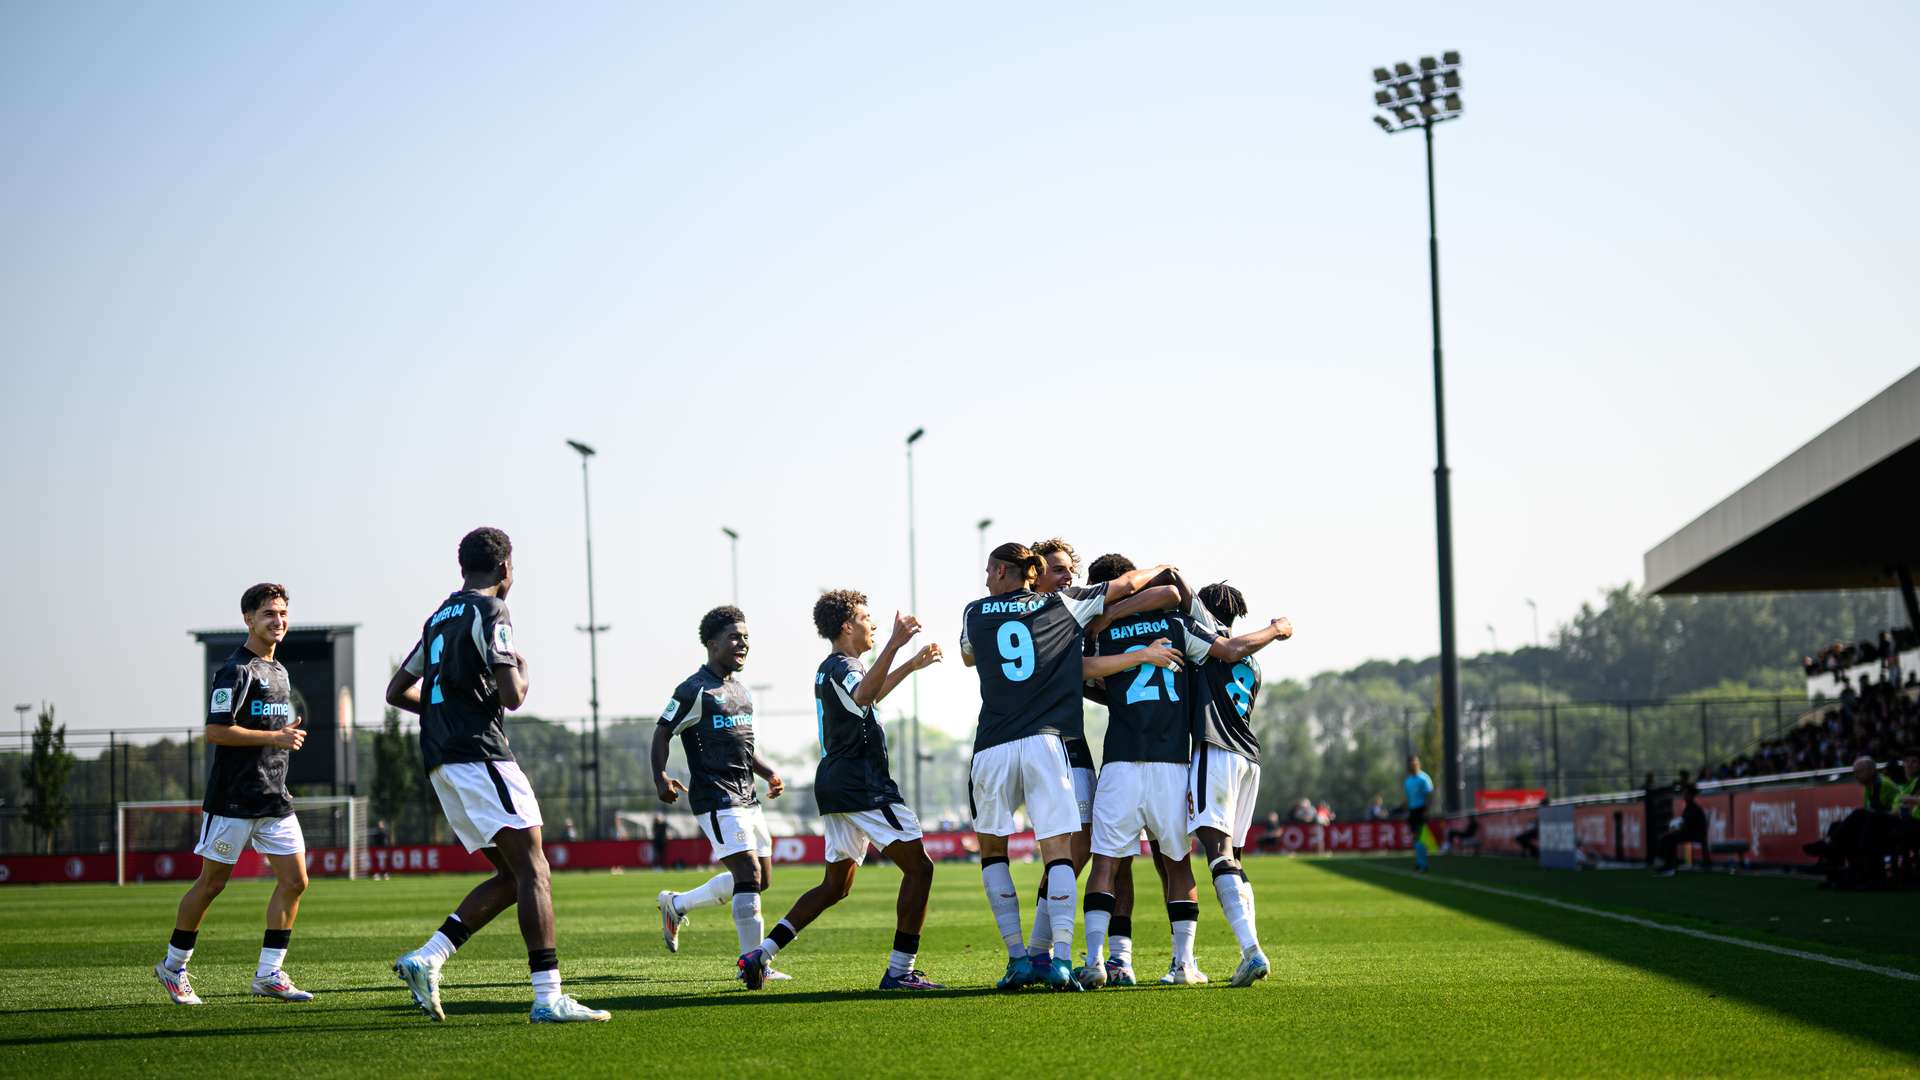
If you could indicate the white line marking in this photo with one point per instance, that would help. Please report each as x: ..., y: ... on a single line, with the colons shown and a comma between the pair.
x: 1798, y: 954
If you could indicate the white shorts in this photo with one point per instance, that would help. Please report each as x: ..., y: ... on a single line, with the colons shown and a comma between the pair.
x: 1084, y: 785
x: 1221, y: 788
x: 734, y: 829
x: 482, y: 797
x: 222, y: 839
x: 1135, y: 795
x: 1032, y: 771
x: 849, y: 834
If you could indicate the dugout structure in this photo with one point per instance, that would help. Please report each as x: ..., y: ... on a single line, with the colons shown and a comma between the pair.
x: 1840, y: 512
x: 319, y: 663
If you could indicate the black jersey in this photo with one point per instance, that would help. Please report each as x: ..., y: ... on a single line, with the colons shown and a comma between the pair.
x: 1149, y: 709
x: 252, y: 692
x: 1027, y: 648
x: 460, y: 711
x: 853, y: 772
x: 714, y: 719
x: 1223, y: 699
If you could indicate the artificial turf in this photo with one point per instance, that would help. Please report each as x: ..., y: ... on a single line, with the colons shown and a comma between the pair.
x: 1375, y: 973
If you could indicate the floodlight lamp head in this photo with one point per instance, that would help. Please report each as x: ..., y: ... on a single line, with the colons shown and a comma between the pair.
x: 984, y: 524
x: 1452, y: 103
x: 1406, y: 91
x: 1428, y: 63
x: 1382, y: 97
x: 1428, y: 86
x: 1403, y: 69
x: 1427, y: 110
x: 731, y: 535
x: 1404, y: 115
x: 915, y: 437
x: 1451, y: 80
x: 1384, y: 124
x: 583, y: 449
x: 1451, y: 57
x: 1381, y: 74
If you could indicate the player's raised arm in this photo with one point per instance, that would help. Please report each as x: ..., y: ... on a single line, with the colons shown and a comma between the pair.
x: 1160, y: 654
x: 928, y: 656
x: 1133, y: 581
x: 875, y: 685
x: 1239, y: 648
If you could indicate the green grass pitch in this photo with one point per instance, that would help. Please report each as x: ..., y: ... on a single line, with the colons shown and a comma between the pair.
x: 1375, y: 973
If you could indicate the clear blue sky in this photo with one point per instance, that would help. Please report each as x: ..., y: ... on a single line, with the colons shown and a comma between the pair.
x: 302, y: 294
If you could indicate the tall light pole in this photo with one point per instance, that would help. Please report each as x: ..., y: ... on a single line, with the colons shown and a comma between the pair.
x: 21, y: 712
x: 983, y: 526
x: 913, y: 601
x: 593, y: 630
x: 733, y: 545
x: 1540, y: 677
x: 1422, y: 99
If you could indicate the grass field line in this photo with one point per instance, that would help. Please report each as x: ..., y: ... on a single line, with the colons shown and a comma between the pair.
x: 1635, y: 920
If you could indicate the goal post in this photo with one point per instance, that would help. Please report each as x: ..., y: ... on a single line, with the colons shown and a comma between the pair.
x: 327, y: 821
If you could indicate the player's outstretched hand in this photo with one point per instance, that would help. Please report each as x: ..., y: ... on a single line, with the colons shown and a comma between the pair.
x: 1160, y: 654
x: 291, y: 736
x: 904, y: 626
x: 667, y: 788
x: 1285, y: 626
x: 928, y: 656
x: 775, y: 786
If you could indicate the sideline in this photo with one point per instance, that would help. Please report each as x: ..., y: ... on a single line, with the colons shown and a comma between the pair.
x: 1777, y: 950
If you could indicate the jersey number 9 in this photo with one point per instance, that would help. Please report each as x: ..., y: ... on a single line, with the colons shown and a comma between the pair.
x: 1016, y: 644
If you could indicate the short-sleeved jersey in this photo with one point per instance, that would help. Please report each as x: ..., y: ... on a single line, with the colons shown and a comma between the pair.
x: 460, y: 712
x: 252, y: 692
x: 1224, y: 695
x: 1026, y: 647
x: 1419, y: 788
x: 853, y: 772
x: 714, y: 719
x: 1149, y: 712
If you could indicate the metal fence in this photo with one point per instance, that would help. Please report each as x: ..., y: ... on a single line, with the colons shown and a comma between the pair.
x: 1566, y: 749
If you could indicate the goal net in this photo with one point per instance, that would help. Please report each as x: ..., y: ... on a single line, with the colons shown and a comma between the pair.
x: 335, y: 828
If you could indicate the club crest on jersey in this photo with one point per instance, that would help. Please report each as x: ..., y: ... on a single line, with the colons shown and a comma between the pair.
x: 673, y: 706
x: 222, y: 848
x: 222, y: 700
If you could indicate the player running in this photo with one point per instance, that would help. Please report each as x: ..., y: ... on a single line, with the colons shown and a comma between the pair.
x: 858, y: 800
x: 473, y: 674
x: 1030, y: 668
x: 712, y: 712
x: 251, y: 724
x: 1224, y: 778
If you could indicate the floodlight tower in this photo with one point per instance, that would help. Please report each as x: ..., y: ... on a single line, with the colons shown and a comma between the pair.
x: 1422, y: 99
x: 913, y: 601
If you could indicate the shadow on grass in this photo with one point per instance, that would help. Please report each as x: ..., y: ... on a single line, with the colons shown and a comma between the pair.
x: 1863, y: 1005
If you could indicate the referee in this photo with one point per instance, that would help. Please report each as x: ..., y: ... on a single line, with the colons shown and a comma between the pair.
x: 1419, y: 788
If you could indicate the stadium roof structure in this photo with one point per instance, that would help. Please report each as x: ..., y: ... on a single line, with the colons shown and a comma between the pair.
x: 1841, y: 512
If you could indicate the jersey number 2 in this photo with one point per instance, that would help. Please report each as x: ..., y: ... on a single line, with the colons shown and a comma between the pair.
x: 433, y: 660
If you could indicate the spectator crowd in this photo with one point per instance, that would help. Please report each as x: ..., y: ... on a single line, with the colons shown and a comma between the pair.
x: 1877, y: 720
x: 1842, y: 655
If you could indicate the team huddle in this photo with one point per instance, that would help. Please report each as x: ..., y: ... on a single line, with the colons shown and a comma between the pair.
x: 1180, y: 764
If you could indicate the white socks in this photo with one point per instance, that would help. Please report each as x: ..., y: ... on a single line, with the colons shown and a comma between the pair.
x: 746, y: 920
x: 270, y: 960
x: 1184, y: 915
x: 1005, y: 903
x: 546, y: 987
x: 716, y: 891
x: 1061, y: 906
x: 1231, y: 889
x: 177, y: 958
x: 437, y: 948
x: 1042, y: 921
x: 1099, y: 917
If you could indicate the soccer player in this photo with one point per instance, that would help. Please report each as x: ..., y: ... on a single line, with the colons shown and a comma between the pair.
x: 1029, y: 660
x: 466, y: 659
x: 251, y: 724
x: 1144, y: 770
x: 1419, y: 788
x: 857, y: 798
x: 712, y: 712
x: 1224, y: 778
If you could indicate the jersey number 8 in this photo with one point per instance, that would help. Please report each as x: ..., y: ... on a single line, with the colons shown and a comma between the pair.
x: 1016, y: 644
